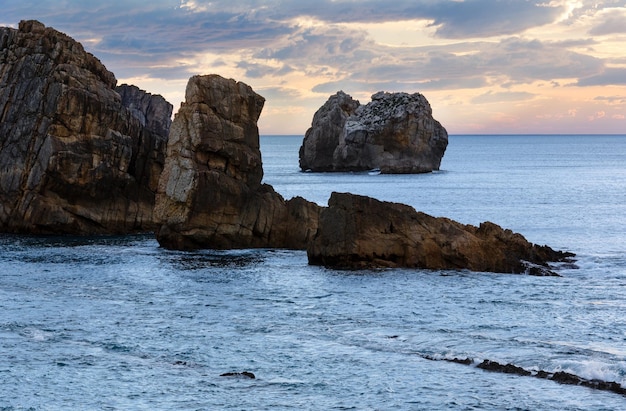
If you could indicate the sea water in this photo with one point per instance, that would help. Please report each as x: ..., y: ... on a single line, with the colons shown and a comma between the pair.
x: 118, y: 323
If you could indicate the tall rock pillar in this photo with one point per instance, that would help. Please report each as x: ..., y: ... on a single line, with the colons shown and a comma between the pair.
x: 210, y: 193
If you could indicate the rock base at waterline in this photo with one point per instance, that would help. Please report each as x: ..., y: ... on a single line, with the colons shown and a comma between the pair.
x: 357, y: 232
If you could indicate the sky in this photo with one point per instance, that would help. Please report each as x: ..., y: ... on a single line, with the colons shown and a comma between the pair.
x: 486, y: 67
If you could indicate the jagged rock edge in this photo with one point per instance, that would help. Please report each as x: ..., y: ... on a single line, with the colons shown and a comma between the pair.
x: 561, y: 377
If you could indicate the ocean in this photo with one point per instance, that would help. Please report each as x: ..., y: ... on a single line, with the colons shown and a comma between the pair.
x: 117, y: 323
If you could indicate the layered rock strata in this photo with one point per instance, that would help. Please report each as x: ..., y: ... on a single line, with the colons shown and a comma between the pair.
x: 361, y: 232
x: 395, y: 133
x: 73, y: 158
x: 210, y: 193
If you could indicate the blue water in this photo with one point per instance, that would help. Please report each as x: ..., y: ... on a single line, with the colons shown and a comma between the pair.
x: 119, y: 324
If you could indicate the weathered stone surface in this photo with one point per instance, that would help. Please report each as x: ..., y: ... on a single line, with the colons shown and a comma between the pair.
x: 210, y: 192
x: 321, y: 140
x: 73, y: 158
x: 395, y: 133
x: 153, y: 111
x: 359, y: 232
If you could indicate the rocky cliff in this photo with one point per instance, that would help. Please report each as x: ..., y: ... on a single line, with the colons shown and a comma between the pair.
x: 73, y: 158
x: 359, y: 232
x: 395, y: 133
x: 210, y: 193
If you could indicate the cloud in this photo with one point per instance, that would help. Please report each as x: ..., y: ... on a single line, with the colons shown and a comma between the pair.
x: 481, y: 18
x: 321, y: 46
x: 168, y: 26
x: 504, y: 96
x: 133, y: 34
x: 613, y: 21
x: 478, y: 51
x: 505, y: 63
x: 257, y: 70
x: 352, y: 86
x: 453, y: 19
x: 156, y: 27
x: 610, y: 76
x: 529, y: 60
x: 617, y: 100
x: 597, y: 116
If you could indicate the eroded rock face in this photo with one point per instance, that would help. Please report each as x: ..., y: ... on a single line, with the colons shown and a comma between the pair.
x: 152, y: 111
x: 358, y: 232
x: 322, y: 139
x: 210, y: 193
x: 395, y: 133
x: 73, y: 158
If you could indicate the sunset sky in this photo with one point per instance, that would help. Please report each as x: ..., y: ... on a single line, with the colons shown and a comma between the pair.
x: 496, y: 67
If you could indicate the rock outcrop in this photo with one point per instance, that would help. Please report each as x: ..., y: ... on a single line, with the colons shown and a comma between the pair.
x: 359, y: 232
x: 211, y: 195
x: 317, y: 152
x: 395, y: 133
x: 73, y: 158
x: 210, y: 192
x: 79, y: 155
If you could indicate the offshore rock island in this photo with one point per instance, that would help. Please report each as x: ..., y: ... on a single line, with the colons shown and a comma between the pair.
x: 394, y: 133
x: 80, y: 156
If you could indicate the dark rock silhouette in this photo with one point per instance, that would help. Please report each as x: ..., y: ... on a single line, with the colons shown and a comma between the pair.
x: 73, y: 158
x: 395, y: 133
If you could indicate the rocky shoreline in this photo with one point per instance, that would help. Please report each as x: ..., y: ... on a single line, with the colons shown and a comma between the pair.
x: 81, y: 156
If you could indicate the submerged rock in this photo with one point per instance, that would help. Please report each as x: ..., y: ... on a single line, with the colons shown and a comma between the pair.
x: 505, y: 369
x: 210, y: 193
x: 395, y: 133
x: 560, y: 377
x: 73, y: 158
x: 244, y: 374
x: 361, y: 232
